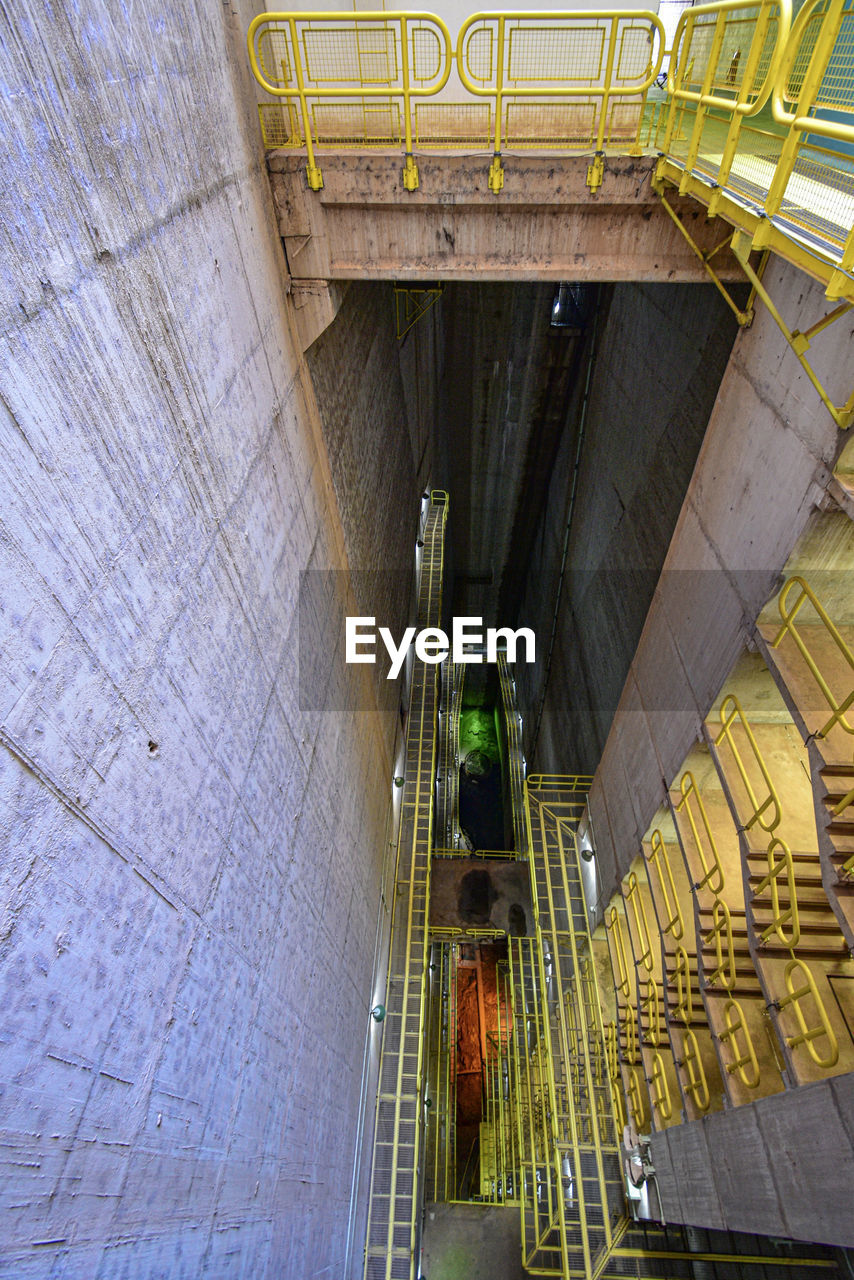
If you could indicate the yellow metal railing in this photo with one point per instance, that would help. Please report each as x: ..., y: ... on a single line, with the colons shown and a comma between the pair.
x: 633, y: 896
x: 720, y: 934
x: 736, y: 1036
x: 347, y: 79
x: 681, y: 975
x: 765, y: 811
x: 839, y: 704
x: 671, y: 911
x: 529, y: 80
x: 651, y: 1007
x: 756, y: 121
x: 567, y: 81
x: 617, y: 949
x: 660, y: 1090
x: 695, y: 1084
x: 779, y: 867
x: 810, y: 1033
x: 704, y: 841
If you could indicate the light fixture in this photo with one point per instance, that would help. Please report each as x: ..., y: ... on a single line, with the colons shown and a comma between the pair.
x: 378, y: 1012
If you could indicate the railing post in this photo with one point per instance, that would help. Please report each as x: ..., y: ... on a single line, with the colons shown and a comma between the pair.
x: 596, y: 170
x: 496, y: 172
x: 315, y: 178
x: 410, y: 168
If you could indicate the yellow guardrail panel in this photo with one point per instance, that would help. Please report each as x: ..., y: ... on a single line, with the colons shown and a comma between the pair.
x: 704, y: 841
x: 778, y: 867
x: 681, y: 975
x: 696, y: 1086
x: 814, y: 1031
x: 671, y: 911
x: 766, y: 811
x: 642, y: 931
x: 789, y: 610
x: 572, y: 80
x: 614, y: 931
x: 661, y: 1099
x: 720, y: 934
x: 736, y: 1036
x: 349, y: 79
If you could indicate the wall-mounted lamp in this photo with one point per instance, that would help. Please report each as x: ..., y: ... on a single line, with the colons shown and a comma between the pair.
x: 398, y: 782
x: 378, y: 1012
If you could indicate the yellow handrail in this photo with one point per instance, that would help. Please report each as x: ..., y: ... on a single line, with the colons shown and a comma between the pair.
x: 731, y: 713
x: 614, y: 929
x: 713, y: 873
x: 745, y: 1058
x: 780, y: 916
x: 789, y: 613
x: 727, y: 83
x: 721, y: 934
x: 808, y: 1034
x: 684, y: 995
x: 671, y: 911
x: 517, y: 56
x: 696, y: 1087
x: 633, y: 896
x: 630, y: 1029
x: 660, y: 1088
x: 366, y: 56
x: 651, y: 1006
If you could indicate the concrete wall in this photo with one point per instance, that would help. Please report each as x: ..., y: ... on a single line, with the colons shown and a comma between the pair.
x: 658, y: 355
x: 772, y: 1167
x: 782, y: 1166
x: 764, y: 465
x: 188, y: 893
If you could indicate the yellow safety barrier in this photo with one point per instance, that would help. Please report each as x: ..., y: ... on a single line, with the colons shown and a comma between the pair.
x: 766, y: 812
x: 780, y: 916
x: 671, y: 912
x: 660, y: 1089
x: 636, y: 1099
x: 651, y: 1006
x: 579, y: 82
x: 839, y: 705
x: 721, y: 934
x: 744, y: 1060
x: 817, y: 1031
x: 630, y: 1032
x: 567, y: 81
x: 617, y: 950
x: 696, y: 1086
x: 726, y: 57
x: 684, y: 996
x: 348, y: 80
x: 707, y: 850
x: 644, y: 944
x: 789, y: 612
x: 560, y: 781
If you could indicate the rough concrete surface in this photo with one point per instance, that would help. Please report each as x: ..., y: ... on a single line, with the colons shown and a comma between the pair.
x: 188, y: 894
x: 471, y: 1242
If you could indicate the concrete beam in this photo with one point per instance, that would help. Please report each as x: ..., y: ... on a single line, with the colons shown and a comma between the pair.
x: 544, y: 225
